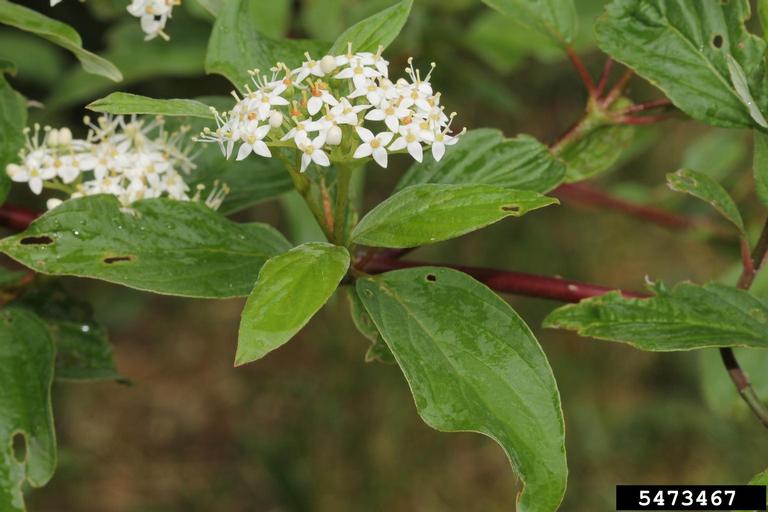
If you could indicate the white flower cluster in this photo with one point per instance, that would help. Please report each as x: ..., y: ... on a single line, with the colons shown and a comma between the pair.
x: 153, y: 14
x: 321, y: 106
x: 123, y: 157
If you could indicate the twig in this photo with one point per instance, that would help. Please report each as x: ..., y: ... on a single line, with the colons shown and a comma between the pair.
x: 617, y: 89
x: 581, y: 69
x: 604, y: 77
x: 517, y: 283
x: 593, y: 196
x: 752, y: 265
x: 650, y: 105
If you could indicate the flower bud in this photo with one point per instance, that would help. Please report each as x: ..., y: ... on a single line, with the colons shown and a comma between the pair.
x: 53, y: 137
x: 276, y: 119
x: 65, y: 137
x: 328, y: 64
x: 333, y: 138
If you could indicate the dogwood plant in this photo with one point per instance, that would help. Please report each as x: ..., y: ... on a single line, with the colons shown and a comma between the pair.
x: 320, y: 120
x: 153, y: 15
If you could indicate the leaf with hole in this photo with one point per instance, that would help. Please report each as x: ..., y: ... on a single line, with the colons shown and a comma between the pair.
x: 428, y: 213
x: 707, y: 189
x: 159, y: 245
x: 27, y: 437
x: 683, y: 47
x: 484, y: 156
x: 236, y: 47
x: 378, y: 30
x: 555, y: 18
x: 291, y: 288
x: 125, y: 103
x: 58, y: 33
x: 685, y: 318
x: 485, y: 373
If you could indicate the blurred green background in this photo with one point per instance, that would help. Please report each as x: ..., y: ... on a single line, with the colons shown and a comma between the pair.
x: 313, y: 427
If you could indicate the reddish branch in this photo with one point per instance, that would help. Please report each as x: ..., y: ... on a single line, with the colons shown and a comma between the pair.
x: 590, y: 195
x: 581, y: 70
x: 16, y: 217
x: 752, y: 265
x: 518, y: 283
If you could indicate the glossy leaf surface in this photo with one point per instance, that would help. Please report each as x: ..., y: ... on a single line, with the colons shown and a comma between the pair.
x: 683, y: 47
x: 161, y: 245
x: 58, y: 33
x: 26, y: 374
x: 428, y: 213
x: 291, y: 288
x: 484, y: 156
x: 473, y: 365
x: 686, y: 317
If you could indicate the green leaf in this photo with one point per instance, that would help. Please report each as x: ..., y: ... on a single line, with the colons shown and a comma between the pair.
x: 485, y: 157
x: 377, y: 350
x: 760, y: 166
x: 596, y: 146
x: 762, y: 13
x: 125, y: 103
x: 236, y: 47
x: 291, y: 288
x: 739, y: 81
x: 139, y: 61
x: 58, y: 33
x: 82, y: 349
x: 555, y: 18
x: 760, y: 479
x: 687, y: 317
x: 13, y: 119
x: 26, y: 375
x: 682, y: 47
x: 428, y: 213
x: 707, y: 189
x: 213, y: 7
x: 160, y: 245
x: 473, y: 365
x: 378, y: 30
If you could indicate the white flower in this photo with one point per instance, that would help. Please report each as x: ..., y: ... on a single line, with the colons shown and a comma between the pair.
x: 391, y: 113
x: 33, y: 175
x: 153, y: 14
x: 358, y: 72
x: 301, y: 131
x: 309, y: 67
x: 373, y: 145
x: 442, y: 140
x: 312, y: 152
x: 338, y: 90
x: 319, y: 97
x: 410, y: 139
x: 253, y: 143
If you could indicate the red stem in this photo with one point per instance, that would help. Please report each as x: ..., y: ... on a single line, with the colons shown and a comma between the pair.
x: 593, y: 196
x: 518, y: 283
x: 16, y: 217
x: 604, y: 77
x: 581, y: 69
x: 650, y: 105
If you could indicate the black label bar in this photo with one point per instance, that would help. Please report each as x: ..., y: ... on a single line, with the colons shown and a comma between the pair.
x: 691, y: 497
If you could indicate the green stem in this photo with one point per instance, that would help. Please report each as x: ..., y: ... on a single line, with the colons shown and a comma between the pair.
x: 304, y: 187
x: 343, y: 177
